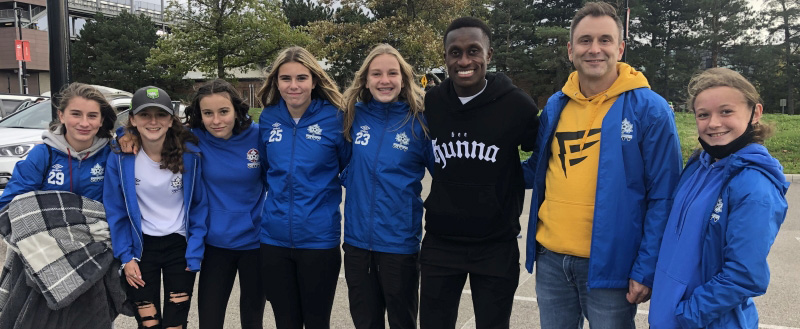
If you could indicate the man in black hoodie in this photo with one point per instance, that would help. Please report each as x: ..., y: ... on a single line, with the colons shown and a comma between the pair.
x: 477, y: 122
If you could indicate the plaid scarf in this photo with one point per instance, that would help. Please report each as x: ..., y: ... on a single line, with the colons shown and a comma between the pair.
x: 62, y: 240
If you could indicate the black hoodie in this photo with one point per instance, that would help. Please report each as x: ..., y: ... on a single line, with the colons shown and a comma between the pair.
x: 478, y: 190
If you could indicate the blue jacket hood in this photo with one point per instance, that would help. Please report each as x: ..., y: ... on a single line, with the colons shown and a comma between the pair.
x: 756, y: 156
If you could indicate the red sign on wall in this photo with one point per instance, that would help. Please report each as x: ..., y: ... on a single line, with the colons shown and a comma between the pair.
x: 23, y: 50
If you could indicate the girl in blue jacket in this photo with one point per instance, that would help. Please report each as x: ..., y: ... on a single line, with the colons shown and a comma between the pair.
x: 229, y: 143
x: 383, y: 207
x: 73, y: 156
x: 156, y: 208
x: 727, y: 210
x: 305, y: 150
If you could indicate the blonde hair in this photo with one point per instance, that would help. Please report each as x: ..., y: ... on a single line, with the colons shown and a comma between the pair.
x: 723, y: 77
x: 411, y: 93
x: 325, y: 88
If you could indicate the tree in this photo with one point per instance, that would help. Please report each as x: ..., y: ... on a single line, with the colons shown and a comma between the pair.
x: 721, y: 25
x: 414, y: 27
x: 302, y: 12
x: 113, y: 51
x: 216, y: 36
x: 662, y: 45
x: 783, y: 26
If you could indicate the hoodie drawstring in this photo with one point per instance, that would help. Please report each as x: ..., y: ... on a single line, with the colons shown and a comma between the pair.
x: 69, y: 160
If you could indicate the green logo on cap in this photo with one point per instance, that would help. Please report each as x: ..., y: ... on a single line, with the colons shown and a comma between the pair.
x: 152, y: 93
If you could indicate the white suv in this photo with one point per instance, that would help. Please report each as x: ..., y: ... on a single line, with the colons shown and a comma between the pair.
x: 19, y: 132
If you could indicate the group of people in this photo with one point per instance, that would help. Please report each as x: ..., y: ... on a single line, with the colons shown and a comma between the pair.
x: 615, y: 217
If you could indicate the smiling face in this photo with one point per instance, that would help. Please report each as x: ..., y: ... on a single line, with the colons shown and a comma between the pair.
x: 384, y: 79
x: 218, y: 115
x: 466, y: 54
x: 295, y: 84
x: 722, y: 114
x: 152, y: 124
x: 82, y: 120
x: 595, y: 49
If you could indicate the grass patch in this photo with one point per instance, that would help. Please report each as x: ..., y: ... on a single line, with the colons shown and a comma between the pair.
x: 255, y: 113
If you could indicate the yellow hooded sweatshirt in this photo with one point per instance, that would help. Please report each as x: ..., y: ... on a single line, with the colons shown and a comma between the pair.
x: 566, y: 215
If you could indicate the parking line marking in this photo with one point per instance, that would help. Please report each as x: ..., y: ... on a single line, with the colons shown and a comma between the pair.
x: 769, y: 326
x: 798, y: 238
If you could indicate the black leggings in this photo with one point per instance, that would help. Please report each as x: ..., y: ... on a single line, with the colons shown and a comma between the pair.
x: 216, y: 282
x: 300, y: 284
x: 164, y: 255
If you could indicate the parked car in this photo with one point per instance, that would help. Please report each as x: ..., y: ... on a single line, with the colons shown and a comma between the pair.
x: 10, y: 103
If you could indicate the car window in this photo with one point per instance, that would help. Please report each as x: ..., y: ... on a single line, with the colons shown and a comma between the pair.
x: 122, y: 119
x: 35, y: 117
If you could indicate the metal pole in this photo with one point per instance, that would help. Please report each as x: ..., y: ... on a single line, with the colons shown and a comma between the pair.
x: 23, y: 67
x: 19, y: 63
x: 58, y: 34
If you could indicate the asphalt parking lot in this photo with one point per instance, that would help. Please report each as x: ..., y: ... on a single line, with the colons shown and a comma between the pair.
x: 777, y: 309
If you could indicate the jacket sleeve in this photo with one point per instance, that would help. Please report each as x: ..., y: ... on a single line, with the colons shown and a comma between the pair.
x: 754, y: 217
x: 27, y: 176
x: 198, y: 221
x: 117, y: 211
x: 344, y: 150
x: 661, y: 153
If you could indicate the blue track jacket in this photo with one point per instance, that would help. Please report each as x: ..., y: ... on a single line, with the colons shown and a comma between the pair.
x: 48, y: 167
x: 125, y: 218
x: 636, y: 176
x: 232, y: 173
x: 303, y: 162
x: 383, y: 207
x: 713, y: 258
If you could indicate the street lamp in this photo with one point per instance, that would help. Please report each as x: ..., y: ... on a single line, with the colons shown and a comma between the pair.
x: 23, y: 70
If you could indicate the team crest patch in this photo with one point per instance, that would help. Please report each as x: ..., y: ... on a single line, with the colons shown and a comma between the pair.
x: 176, y: 184
x: 314, y: 132
x: 152, y: 93
x: 98, y: 172
x: 717, y: 210
x: 401, y: 142
x: 252, y: 156
x: 627, y: 130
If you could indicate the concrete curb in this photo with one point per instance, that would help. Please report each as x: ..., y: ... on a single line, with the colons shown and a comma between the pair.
x: 793, y: 178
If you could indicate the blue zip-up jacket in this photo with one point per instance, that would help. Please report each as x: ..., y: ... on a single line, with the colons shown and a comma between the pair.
x: 303, y: 162
x: 713, y: 257
x: 55, y: 166
x: 383, y: 207
x: 125, y: 218
x: 233, y: 179
x: 636, y: 176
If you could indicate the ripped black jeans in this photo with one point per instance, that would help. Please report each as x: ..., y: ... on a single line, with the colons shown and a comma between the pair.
x: 163, y: 255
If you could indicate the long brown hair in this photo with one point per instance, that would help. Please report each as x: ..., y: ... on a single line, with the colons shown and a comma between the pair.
x: 411, y: 93
x: 325, y: 87
x: 77, y: 89
x: 174, y: 144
